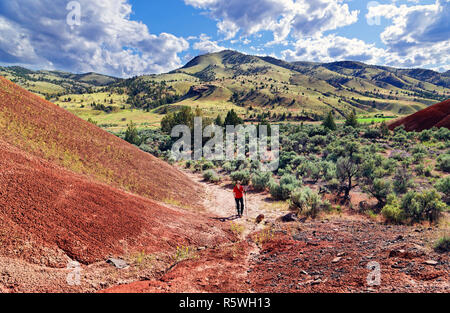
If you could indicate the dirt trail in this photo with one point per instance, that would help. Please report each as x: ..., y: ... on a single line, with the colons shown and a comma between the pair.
x: 329, y: 254
x: 219, y: 201
x: 225, y: 267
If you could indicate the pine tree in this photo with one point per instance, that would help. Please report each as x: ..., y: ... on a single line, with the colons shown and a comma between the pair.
x: 351, y: 120
x: 384, y: 129
x: 218, y: 121
x: 232, y: 119
x: 131, y: 135
x: 329, y: 121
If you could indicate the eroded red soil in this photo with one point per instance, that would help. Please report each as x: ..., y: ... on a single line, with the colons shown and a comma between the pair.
x: 437, y: 115
x: 43, y: 129
x: 330, y: 254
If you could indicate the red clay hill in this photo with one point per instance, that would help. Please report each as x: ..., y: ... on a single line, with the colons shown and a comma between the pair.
x: 437, y: 115
x: 70, y: 191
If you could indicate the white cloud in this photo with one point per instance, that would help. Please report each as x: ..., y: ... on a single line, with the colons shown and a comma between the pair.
x: 205, y: 44
x: 418, y: 35
x: 281, y: 17
x: 107, y: 41
x: 333, y: 48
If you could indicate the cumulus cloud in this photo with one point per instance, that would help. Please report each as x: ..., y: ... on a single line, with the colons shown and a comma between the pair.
x: 281, y: 17
x: 418, y: 35
x: 107, y: 40
x: 333, y: 48
x: 205, y: 44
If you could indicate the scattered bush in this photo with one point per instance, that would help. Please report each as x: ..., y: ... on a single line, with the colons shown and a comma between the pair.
x: 260, y: 180
x: 282, y: 191
x: 380, y: 188
x: 242, y: 176
x: 211, y: 176
x: 442, y: 134
x: 333, y: 184
x: 306, y: 201
x: 426, y: 205
x: 443, y: 244
x: 229, y: 167
x: 414, y: 207
x: 207, y: 165
x: 132, y: 135
x: 391, y: 211
x: 402, y: 180
x: 443, y: 163
x: 443, y: 185
x: 425, y: 135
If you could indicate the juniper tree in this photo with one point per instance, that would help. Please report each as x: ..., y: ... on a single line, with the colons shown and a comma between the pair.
x: 329, y: 121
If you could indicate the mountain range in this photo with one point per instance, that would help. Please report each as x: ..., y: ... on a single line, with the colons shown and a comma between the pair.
x: 229, y: 78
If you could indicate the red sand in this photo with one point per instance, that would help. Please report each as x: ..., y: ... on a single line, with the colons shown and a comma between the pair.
x: 52, y: 211
x: 437, y: 115
x: 46, y: 206
x: 48, y: 131
x: 312, y: 257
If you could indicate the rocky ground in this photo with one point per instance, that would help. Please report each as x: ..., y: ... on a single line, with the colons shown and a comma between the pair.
x: 330, y: 254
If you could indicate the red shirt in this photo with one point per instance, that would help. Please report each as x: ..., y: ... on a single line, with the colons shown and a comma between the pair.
x: 238, y: 192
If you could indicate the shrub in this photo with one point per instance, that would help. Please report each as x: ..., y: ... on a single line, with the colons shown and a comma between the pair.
x: 389, y: 164
x: 425, y: 135
x: 402, y: 180
x: 442, y: 134
x: 443, y: 185
x: 443, y: 163
x: 428, y: 171
x: 309, y: 169
x: 420, y: 169
x: 242, y: 176
x: 426, y: 205
x: 346, y: 171
x: 384, y: 129
x: 380, y: 189
x: 132, y: 135
x: 351, y: 120
x: 198, y: 166
x: 329, y: 121
x: 229, y: 167
x: 392, y: 211
x: 333, y: 184
x: 443, y: 244
x: 211, y: 176
x: 372, y: 133
x: 260, y: 180
x: 307, y: 201
x: 418, y: 157
x: 282, y: 191
x: 207, y: 165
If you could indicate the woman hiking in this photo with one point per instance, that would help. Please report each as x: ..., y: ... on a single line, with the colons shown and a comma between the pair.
x: 238, y: 192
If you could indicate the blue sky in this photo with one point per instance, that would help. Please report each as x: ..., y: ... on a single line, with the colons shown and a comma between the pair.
x: 133, y: 37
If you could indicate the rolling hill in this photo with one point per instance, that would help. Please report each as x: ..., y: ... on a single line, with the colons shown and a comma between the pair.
x: 54, y: 83
x: 305, y: 86
x: 437, y: 115
x: 251, y: 85
x: 70, y: 191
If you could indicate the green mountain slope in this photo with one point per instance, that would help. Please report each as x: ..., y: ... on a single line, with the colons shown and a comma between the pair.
x: 252, y: 85
x: 51, y: 83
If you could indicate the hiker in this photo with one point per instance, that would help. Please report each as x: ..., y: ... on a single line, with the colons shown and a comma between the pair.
x: 238, y: 192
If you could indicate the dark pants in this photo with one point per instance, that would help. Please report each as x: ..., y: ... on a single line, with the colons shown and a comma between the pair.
x: 240, y: 206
